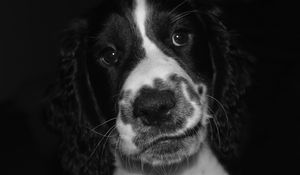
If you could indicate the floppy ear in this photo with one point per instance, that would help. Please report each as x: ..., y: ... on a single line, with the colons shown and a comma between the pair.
x: 231, y: 78
x: 64, y: 102
x: 73, y: 89
x: 73, y: 108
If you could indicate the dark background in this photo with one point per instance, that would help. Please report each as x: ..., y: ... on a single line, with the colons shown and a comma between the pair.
x: 28, y: 62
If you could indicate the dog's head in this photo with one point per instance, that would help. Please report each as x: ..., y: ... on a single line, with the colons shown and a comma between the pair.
x: 152, y: 66
x: 151, y: 51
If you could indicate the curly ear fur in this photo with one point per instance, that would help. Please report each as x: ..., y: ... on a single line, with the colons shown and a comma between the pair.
x: 231, y: 78
x: 70, y: 114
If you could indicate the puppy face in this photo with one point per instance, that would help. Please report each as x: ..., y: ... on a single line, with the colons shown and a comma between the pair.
x: 155, y: 59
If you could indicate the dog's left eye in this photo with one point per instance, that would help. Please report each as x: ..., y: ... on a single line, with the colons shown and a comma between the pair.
x: 180, y: 38
x: 109, y: 56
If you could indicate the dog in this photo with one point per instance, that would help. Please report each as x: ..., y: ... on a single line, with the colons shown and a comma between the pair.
x: 150, y: 87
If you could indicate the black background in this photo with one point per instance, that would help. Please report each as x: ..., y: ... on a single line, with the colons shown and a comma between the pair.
x: 28, y: 62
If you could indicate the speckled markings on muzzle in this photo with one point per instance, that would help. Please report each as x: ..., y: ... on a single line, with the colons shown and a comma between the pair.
x: 155, y: 65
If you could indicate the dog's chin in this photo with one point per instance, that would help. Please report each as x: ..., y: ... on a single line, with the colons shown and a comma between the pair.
x: 167, y: 152
x: 172, y: 151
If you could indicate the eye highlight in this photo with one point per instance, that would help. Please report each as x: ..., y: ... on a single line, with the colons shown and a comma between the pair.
x: 109, y: 56
x: 180, y: 38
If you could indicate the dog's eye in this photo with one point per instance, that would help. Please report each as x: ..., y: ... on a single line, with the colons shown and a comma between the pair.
x: 109, y: 56
x: 180, y: 38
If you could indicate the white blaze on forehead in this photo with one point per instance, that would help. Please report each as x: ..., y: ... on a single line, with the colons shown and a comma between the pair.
x: 155, y: 64
x: 140, y: 15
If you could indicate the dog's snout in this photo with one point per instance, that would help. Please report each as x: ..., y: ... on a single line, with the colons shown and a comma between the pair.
x: 153, y: 106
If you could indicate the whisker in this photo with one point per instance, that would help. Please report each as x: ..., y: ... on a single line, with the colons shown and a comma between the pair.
x: 98, y: 133
x: 103, y: 147
x: 222, y: 106
x: 98, y: 144
x: 103, y: 123
x: 218, y: 130
x: 217, y: 127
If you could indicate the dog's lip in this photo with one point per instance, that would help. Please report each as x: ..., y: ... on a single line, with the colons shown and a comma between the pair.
x: 165, y: 139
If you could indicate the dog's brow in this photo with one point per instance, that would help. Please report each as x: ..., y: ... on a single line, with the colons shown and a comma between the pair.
x: 176, y: 7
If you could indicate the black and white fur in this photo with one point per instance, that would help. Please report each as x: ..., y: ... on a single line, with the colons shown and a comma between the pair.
x: 169, y: 107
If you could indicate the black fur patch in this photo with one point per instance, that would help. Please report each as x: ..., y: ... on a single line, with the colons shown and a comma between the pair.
x: 87, y: 92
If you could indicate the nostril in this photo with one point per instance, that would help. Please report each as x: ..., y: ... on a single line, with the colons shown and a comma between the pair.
x: 200, y: 90
x: 166, y: 108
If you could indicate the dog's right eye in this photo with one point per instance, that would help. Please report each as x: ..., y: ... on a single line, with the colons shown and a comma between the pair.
x: 108, y: 56
x: 180, y: 38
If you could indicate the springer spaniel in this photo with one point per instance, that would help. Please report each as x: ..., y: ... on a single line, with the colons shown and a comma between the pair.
x: 150, y: 87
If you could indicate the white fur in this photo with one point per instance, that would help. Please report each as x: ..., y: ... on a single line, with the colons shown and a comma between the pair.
x: 206, y: 164
x: 155, y: 65
x: 126, y: 134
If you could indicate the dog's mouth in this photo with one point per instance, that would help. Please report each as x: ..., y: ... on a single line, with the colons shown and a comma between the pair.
x: 173, y: 138
x: 170, y: 149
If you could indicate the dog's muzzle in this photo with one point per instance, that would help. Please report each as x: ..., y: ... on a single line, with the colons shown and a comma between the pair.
x: 166, y: 105
x: 159, y: 105
x: 161, y: 122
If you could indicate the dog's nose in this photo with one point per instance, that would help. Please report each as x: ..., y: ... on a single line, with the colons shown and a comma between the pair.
x: 153, y: 106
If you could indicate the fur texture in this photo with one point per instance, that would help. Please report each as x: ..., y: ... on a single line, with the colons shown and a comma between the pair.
x: 74, y: 107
